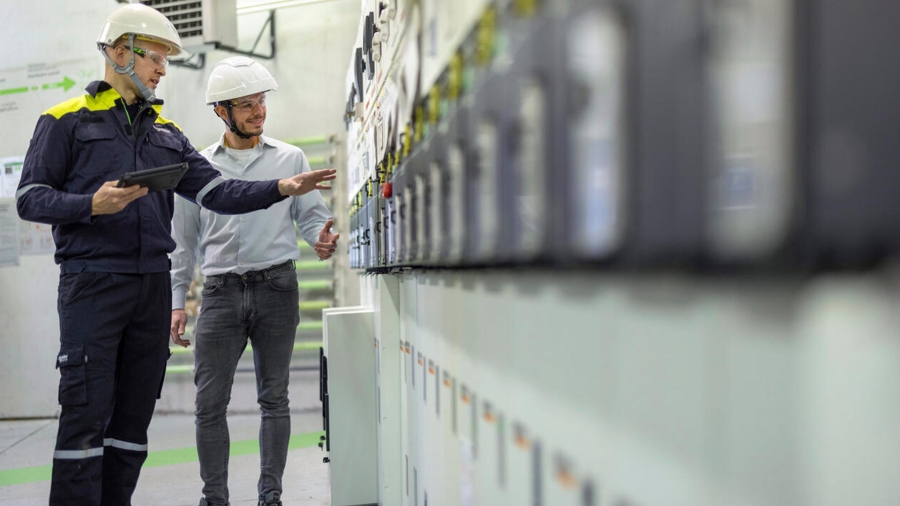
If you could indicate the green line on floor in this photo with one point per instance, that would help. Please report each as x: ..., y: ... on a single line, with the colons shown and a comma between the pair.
x: 34, y: 474
x: 24, y: 475
x: 305, y: 440
x: 173, y: 456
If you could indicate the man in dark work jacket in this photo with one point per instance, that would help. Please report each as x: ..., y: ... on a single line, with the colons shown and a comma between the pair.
x: 112, y: 245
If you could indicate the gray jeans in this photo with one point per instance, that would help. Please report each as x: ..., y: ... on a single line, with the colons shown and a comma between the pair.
x: 261, y: 306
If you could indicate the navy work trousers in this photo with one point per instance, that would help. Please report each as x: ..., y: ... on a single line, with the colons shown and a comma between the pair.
x: 114, y: 334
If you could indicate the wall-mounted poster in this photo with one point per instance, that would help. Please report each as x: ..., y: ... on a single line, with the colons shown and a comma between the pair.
x: 10, y: 174
x: 35, y: 239
x: 9, y: 233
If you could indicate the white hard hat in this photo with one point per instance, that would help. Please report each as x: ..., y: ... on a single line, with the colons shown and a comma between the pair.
x: 145, y: 23
x: 238, y: 76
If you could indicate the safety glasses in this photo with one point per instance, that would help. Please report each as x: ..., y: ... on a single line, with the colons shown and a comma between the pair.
x: 155, y: 58
x: 247, y: 105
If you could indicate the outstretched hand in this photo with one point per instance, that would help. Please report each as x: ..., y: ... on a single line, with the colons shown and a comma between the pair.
x: 306, y: 182
x: 327, y: 242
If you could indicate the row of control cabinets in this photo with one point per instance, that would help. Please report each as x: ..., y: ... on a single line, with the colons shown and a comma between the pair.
x: 726, y: 133
x: 459, y: 447
x: 456, y: 428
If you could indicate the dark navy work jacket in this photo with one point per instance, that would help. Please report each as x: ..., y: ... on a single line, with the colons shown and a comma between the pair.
x: 84, y: 142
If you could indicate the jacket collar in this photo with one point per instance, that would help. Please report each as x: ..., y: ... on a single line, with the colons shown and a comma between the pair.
x: 97, y: 87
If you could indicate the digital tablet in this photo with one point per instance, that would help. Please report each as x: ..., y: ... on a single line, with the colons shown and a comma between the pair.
x: 156, y: 179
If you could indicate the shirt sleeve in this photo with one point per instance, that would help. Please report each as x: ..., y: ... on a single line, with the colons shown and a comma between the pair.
x: 41, y: 195
x: 186, y: 233
x: 308, y: 210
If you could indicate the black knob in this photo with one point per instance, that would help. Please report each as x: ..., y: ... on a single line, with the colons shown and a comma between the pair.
x: 321, y: 438
x: 326, y: 460
x: 321, y: 445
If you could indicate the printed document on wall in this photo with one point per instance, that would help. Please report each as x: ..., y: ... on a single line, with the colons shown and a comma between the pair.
x: 10, y: 174
x: 9, y: 233
x: 36, y: 239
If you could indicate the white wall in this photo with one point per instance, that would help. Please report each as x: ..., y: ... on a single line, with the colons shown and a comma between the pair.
x: 60, y: 35
x: 314, y: 44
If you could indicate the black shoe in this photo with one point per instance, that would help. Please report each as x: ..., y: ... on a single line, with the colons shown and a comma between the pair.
x: 271, y: 499
x: 204, y: 502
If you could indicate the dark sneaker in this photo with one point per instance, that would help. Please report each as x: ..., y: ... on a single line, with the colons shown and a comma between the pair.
x: 271, y: 499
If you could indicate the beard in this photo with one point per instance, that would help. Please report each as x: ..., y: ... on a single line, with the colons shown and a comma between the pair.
x: 249, y: 127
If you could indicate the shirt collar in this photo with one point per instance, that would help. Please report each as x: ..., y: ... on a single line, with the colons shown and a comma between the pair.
x: 263, y: 141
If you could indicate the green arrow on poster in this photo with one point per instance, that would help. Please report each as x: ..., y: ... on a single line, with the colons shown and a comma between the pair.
x: 65, y: 84
x: 10, y: 91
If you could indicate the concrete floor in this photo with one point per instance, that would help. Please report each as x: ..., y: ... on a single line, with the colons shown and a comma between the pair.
x: 28, y: 443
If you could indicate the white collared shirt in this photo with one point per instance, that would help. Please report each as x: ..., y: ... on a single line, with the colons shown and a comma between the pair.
x: 252, y: 241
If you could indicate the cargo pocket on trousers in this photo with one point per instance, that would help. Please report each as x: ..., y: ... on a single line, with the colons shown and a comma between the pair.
x: 163, y: 379
x: 72, y: 385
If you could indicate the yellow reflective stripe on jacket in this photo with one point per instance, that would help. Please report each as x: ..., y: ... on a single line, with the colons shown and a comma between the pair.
x: 104, y: 100
x: 163, y: 121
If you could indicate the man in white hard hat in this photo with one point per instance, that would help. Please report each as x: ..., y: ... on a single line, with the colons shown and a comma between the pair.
x: 112, y: 245
x: 250, y: 288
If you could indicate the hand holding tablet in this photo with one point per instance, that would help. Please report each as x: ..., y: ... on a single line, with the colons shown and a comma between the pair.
x: 155, y: 179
